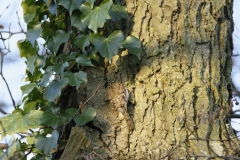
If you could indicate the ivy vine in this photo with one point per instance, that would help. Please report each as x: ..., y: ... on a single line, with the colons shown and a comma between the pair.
x: 48, y: 73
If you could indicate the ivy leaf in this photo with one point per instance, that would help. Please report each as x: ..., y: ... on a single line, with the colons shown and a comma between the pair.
x: 38, y: 157
x: 53, y: 90
x: 52, y: 46
x: 40, y: 62
x: 108, y: 47
x: 26, y: 49
x: 52, y: 120
x: 69, y: 113
x: 13, y: 146
x: 46, y: 1
x: 77, y: 22
x: 21, y: 122
x: 117, y: 12
x: 53, y: 8
x: 35, y: 95
x: 28, y: 88
x: 94, y: 56
x: 59, y: 67
x: 84, y: 61
x: 33, y: 31
x: 65, y: 58
x: 46, y: 144
x: 60, y: 37
x: 98, y: 16
x: 82, y: 41
x: 46, y: 76
x: 70, y: 5
x: 29, y: 12
x: 87, y: 116
x: 85, y: 8
x: 30, y: 63
x: 133, y: 45
x: 30, y: 2
x: 30, y: 106
x: 76, y: 79
x: 91, y: 2
x: 33, y: 77
x: 48, y: 29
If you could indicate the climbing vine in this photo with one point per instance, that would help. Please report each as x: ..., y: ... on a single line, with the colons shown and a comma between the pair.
x: 77, y: 34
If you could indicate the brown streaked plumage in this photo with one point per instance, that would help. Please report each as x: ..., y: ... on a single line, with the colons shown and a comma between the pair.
x: 118, y: 96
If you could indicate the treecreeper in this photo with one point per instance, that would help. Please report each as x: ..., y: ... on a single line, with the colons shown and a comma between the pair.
x: 118, y: 96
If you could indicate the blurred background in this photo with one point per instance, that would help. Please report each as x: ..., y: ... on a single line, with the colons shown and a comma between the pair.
x: 13, y: 67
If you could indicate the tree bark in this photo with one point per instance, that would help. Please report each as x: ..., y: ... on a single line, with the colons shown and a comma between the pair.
x: 180, y: 87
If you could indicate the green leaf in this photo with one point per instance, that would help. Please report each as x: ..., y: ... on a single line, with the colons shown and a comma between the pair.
x: 65, y: 58
x: 26, y: 49
x: 59, y: 67
x: 30, y: 106
x: 53, y: 90
x: 46, y: 144
x: 82, y: 41
x: 98, y: 16
x: 52, y: 120
x: 85, y: 8
x: 40, y: 62
x: 53, y: 59
x: 29, y: 12
x: 33, y: 77
x: 47, y: 1
x: 46, y: 76
x: 69, y: 113
x: 91, y: 2
x: 87, y: 116
x: 84, y: 61
x: 28, y: 88
x: 53, y: 8
x: 108, y: 47
x: 3, y: 155
x: 76, y: 79
x: 12, y: 146
x: 21, y: 122
x: 30, y: 139
x: 30, y: 2
x: 133, y: 45
x: 52, y: 46
x: 60, y: 37
x: 45, y: 79
x: 77, y: 22
x: 117, y: 12
x: 34, y: 30
x: 94, y: 56
x: 30, y: 63
x: 38, y: 157
x: 70, y: 5
x: 48, y: 29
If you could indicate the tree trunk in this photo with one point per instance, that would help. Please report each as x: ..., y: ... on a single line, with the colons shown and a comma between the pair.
x: 179, y: 87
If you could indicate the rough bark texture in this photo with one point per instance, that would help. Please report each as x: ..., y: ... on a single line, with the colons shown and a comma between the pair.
x: 179, y: 87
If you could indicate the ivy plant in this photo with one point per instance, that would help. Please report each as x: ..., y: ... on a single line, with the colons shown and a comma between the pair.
x: 82, y: 24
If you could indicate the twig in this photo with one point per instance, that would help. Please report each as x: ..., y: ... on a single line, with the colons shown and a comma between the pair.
x: 81, y: 105
x: 3, y: 145
x: 13, y: 102
x: 19, y: 22
x: 4, y: 10
x: 76, y: 113
x: 30, y: 151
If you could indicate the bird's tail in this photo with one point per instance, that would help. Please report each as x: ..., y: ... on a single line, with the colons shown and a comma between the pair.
x: 128, y: 120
